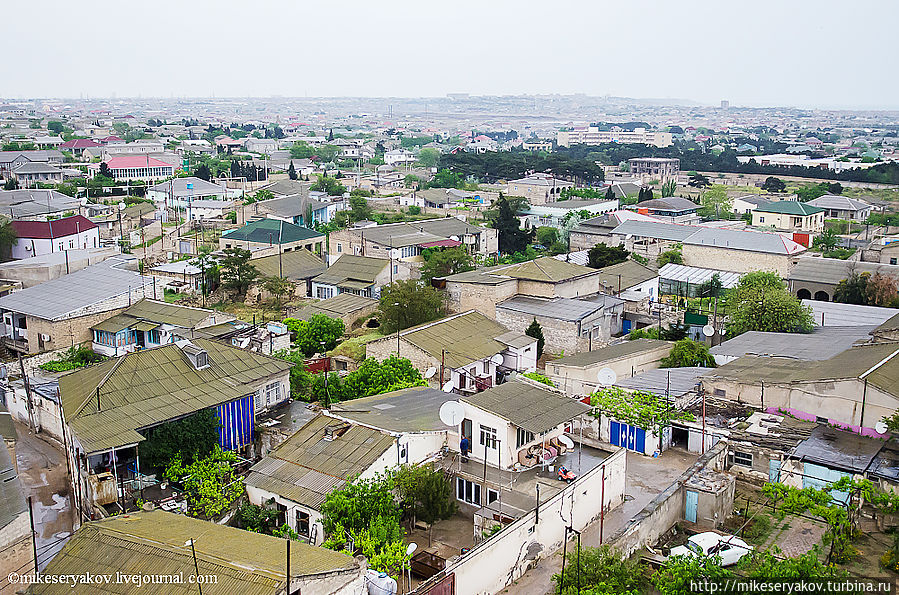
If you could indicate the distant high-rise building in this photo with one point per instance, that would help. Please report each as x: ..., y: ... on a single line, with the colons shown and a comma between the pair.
x: 725, y: 104
x: 592, y: 135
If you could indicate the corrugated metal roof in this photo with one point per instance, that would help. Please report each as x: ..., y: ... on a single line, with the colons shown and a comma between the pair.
x: 294, y: 265
x: 558, y: 308
x: 352, y: 267
x: 337, y: 306
x: 673, y: 381
x: 833, y: 270
x: 843, y: 203
x: 612, y: 352
x: 631, y: 273
x: 151, y: 386
x: 58, y: 298
x: 652, y: 229
x: 156, y: 542
x: 546, y: 269
x: 415, y: 232
x: 306, y: 467
x: 272, y: 231
x: 752, y: 241
x: 528, y: 406
x: 837, y: 314
x: 696, y: 275
x: 413, y: 409
x: 823, y: 343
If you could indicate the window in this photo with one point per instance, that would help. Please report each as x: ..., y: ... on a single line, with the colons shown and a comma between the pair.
x: 339, y: 247
x: 743, y: 458
x: 523, y: 437
x: 492, y: 496
x: 272, y: 393
x: 761, y: 219
x: 719, y: 392
x: 303, y: 523
x: 892, y: 261
x: 488, y: 437
x: 468, y: 491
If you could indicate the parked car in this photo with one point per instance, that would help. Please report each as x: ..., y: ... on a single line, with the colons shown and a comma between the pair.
x: 708, y: 544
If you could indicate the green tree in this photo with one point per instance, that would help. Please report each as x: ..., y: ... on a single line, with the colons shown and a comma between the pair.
x: 697, y: 180
x: 277, y: 287
x: 310, y: 334
x: 357, y: 503
x: 236, y: 271
x: 773, y: 184
x: 207, y: 263
x: 547, y: 236
x: 441, y: 262
x: 105, y: 171
x: 408, y: 303
x: 536, y: 332
x: 511, y: 237
x: 428, y: 157
x: 679, y: 574
x: 11, y: 184
x: 8, y: 238
x: 360, y: 210
x: 853, y: 289
x: 328, y: 185
x: 669, y: 188
x: 638, y: 408
x: 258, y: 519
x: 673, y: 256
x: 292, y: 172
x: 426, y: 494
x: 55, y: 127
x: 610, y: 194
x: 688, y: 353
x: 600, y: 571
x: 761, y: 302
x: 210, y: 484
x: 191, y: 438
x: 826, y: 241
x: 601, y: 256
x: 711, y: 288
x: 716, y: 204
x: 203, y: 172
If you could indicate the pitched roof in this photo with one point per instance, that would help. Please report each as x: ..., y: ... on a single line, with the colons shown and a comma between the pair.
x: 241, y: 561
x: 626, y: 274
x: 672, y: 203
x: 351, y: 268
x: 545, y: 269
x: 32, y: 167
x: 822, y: 343
x: 149, y: 387
x: 751, y: 241
x: 306, y: 467
x: 663, y: 231
x: 789, y: 207
x: 30, y: 203
x: 294, y: 265
x: 529, y: 406
x: 79, y: 143
x: 413, y: 409
x: 465, y: 338
x: 134, y: 161
x: 337, y: 306
x: 842, y: 203
x: 559, y: 308
x: 53, y: 229
x: 837, y: 314
x: 174, y: 314
x: 611, y: 353
x: 890, y: 325
x: 57, y: 298
x: 697, y: 275
x: 178, y: 187
x: 272, y: 231
x: 415, y: 232
x: 833, y: 270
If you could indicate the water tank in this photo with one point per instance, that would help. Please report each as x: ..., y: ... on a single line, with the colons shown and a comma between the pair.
x: 379, y: 583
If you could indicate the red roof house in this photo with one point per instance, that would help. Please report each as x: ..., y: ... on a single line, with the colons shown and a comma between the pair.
x: 57, y: 228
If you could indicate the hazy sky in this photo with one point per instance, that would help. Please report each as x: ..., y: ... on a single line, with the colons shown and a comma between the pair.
x: 819, y: 53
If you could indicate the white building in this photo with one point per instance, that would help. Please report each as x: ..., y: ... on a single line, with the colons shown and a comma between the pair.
x: 37, y: 238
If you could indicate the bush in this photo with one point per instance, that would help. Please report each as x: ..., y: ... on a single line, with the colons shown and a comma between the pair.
x: 72, y: 359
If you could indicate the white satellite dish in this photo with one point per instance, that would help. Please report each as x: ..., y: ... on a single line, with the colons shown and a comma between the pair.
x: 497, y: 359
x: 429, y: 373
x: 452, y: 413
x: 880, y: 427
x: 607, y: 376
x: 708, y: 330
x: 448, y: 387
x: 566, y: 441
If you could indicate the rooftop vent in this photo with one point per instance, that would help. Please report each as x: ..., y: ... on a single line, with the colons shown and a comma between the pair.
x: 199, y: 358
x: 336, y: 431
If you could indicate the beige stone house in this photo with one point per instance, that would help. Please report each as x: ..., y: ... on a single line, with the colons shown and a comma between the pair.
x: 577, y: 374
x: 538, y: 189
x: 544, y: 277
x: 789, y: 215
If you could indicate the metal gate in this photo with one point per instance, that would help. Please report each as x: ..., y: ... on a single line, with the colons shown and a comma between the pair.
x: 626, y: 436
x: 445, y: 586
x: 818, y: 476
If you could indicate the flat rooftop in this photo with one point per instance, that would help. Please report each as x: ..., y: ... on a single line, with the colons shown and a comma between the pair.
x: 408, y: 410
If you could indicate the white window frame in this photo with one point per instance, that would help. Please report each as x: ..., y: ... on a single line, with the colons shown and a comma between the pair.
x: 487, y: 437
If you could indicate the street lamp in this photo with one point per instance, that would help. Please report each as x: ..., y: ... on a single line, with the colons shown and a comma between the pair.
x: 409, y: 551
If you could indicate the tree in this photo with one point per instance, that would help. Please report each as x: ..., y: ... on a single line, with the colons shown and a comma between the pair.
x: 716, y: 204
x: 236, y: 271
x: 301, y: 150
x: 547, y: 236
x: 203, y: 172
x: 360, y: 210
x: 428, y: 157
x: 328, y: 185
x: 687, y: 353
x: 207, y: 263
x: 408, y: 303
x: 277, y: 287
x: 600, y: 571
x: 426, y: 494
x: 56, y: 127
x: 310, y: 334
x: 638, y: 408
x: 535, y: 332
x: 711, y: 288
x: 773, y: 184
x: 826, y: 241
x: 601, y: 256
x: 8, y: 237
x: 680, y: 573
x: 511, y: 237
x: 669, y: 188
x: 105, y: 171
x: 292, y: 171
x: 442, y: 262
x: 210, y: 484
x: 761, y: 302
x: 882, y: 290
x: 258, y: 519
x: 674, y: 256
x: 610, y: 194
x: 11, y: 184
x: 190, y: 438
x: 697, y: 180
x: 853, y: 289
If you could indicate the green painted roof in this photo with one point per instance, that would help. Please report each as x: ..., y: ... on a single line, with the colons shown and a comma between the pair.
x: 154, y: 542
x: 612, y: 352
x: 295, y: 265
x: 353, y: 268
x: 151, y: 386
x: 466, y: 337
x: 528, y: 406
x: 306, y: 467
x: 272, y: 231
x: 789, y: 207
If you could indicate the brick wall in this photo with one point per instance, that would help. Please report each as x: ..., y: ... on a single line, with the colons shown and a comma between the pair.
x: 462, y: 297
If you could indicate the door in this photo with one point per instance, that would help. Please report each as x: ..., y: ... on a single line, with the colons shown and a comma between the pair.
x: 626, y: 326
x: 466, y: 429
x: 640, y: 441
x: 615, y: 433
x: 774, y: 471
x: 627, y: 436
x: 818, y: 476
x: 690, y: 506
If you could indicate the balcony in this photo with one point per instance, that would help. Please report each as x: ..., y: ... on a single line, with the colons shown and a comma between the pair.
x: 20, y: 345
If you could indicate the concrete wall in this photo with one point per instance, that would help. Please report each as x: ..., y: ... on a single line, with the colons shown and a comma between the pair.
x: 33, y: 274
x: 16, y: 552
x: 47, y: 416
x: 497, y: 562
x: 738, y: 261
x: 667, y: 508
x: 462, y: 297
x: 582, y: 380
x: 350, y: 582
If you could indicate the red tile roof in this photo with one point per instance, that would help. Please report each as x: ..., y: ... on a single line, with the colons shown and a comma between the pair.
x: 134, y: 161
x: 79, y: 143
x: 59, y: 227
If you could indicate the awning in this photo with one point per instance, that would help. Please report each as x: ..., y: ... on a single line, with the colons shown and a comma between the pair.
x: 353, y: 284
x: 441, y: 244
x: 115, y: 324
x: 145, y: 325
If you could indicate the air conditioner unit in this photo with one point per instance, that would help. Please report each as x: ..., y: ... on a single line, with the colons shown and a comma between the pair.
x: 45, y: 337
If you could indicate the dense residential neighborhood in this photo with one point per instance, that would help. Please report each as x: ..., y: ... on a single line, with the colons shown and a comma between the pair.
x: 261, y: 334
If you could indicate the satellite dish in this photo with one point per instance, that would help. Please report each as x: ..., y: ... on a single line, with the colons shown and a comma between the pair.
x: 566, y: 441
x: 448, y: 387
x: 880, y: 427
x: 452, y: 413
x: 429, y: 373
x: 708, y: 330
x: 497, y: 359
x: 607, y: 376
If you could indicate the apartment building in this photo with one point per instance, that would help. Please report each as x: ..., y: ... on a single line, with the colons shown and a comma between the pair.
x: 592, y: 135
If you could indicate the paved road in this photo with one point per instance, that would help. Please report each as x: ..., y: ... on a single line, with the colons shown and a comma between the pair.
x: 42, y: 471
x: 646, y: 478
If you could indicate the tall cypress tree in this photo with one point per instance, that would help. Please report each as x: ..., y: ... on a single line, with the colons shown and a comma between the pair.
x: 292, y: 172
x: 511, y: 237
x: 536, y: 332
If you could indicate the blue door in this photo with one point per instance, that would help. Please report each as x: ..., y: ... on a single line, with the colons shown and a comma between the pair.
x: 818, y: 476
x: 774, y: 471
x: 626, y: 436
x: 641, y: 440
x: 626, y: 325
x: 614, y: 433
x: 691, y: 505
